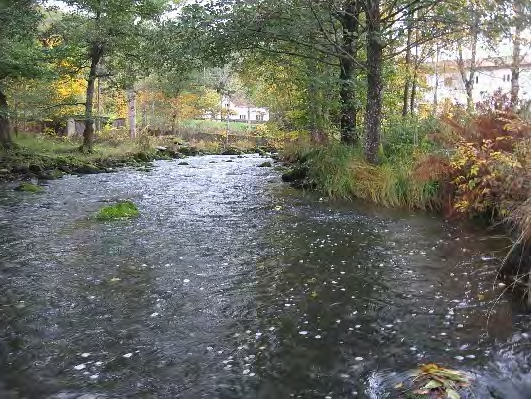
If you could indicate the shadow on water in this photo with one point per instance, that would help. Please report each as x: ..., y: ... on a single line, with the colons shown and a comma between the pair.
x: 231, y: 285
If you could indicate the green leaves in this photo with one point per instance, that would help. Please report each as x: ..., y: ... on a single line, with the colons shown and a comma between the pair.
x: 22, y: 55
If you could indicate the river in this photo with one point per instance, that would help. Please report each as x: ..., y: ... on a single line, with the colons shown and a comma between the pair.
x: 233, y: 285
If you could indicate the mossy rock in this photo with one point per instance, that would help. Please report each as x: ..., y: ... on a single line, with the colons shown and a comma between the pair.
x: 20, y: 169
x: 120, y: 210
x: 297, y: 173
x: 189, y: 151
x: 50, y: 175
x: 87, y: 169
x: 35, y: 168
x: 266, y: 164
x: 256, y: 150
x: 231, y: 151
x: 143, y: 156
x: 29, y: 188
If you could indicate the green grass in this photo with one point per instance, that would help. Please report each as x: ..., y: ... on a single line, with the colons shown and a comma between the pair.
x: 29, y: 188
x: 207, y: 124
x: 339, y: 171
x: 121, y: 210
x: 57, y: 147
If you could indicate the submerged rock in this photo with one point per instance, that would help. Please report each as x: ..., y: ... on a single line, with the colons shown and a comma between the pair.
x: 183, y: 163
x: 266, y: 164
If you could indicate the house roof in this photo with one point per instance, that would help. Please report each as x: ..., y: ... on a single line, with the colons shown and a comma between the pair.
x: 491, y: 63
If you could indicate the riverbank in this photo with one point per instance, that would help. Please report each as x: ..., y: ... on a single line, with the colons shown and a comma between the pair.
x: 46, y: 158
x: 476, y: 169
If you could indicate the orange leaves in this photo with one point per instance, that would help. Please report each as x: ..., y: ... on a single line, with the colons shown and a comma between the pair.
x: 488, y: 173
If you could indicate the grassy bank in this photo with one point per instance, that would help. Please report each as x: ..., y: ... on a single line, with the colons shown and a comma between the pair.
x: 48, y: 158
x: 478, y: 167
x: 339, y: 171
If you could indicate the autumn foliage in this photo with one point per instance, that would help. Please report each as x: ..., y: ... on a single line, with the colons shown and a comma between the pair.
x: 488, y: 163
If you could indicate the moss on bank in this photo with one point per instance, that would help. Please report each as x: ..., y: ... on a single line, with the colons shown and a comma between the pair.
x: 121, y: 210
x: 49, y: 158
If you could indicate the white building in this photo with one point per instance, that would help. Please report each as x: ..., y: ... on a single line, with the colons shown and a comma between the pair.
x: 242, y: 110
x: 491, y: 75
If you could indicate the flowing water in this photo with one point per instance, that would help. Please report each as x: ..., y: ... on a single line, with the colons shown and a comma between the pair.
x: 233, y: 285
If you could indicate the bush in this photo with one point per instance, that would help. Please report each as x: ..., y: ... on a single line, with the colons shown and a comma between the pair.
x: 121, y: 210
x: 491, y: 164
x: 401, y: 136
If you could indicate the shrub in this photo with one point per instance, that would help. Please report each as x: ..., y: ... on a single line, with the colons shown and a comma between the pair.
x: 121, y: 210
x: 491, y: 163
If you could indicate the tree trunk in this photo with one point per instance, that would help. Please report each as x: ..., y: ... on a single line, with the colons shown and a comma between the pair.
x: 5, y: 128
x: 469, y: 79
x: 515, y: 66
x: 436, y: 88
x: 131, y: 112
x: 314, y: 112
x: 98, y: 106
x: 413, y: 91
x: 88, y: 133
x: 16, y: 118
x: 144, y: 112
x: 405, y: 96
x: 373, y: 110
x: 350, y: 25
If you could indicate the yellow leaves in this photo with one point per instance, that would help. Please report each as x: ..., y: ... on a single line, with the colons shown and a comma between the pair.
x: 435, y: 381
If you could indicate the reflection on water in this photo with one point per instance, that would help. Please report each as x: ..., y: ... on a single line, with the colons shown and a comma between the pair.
x: 231, y: 285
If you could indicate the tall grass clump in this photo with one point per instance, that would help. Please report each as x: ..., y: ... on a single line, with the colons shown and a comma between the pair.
x: 340, y: 171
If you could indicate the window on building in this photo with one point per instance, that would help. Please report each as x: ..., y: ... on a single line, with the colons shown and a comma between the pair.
x: 243, y: 117
x: 477, y: 79
x: 508, y: 78
x: 259, y: 117
x: 227, y: 105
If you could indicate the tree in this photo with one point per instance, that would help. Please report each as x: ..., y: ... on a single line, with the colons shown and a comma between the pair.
x: 22, y: 55
x: 102, y: 28
x: 353, y: 37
